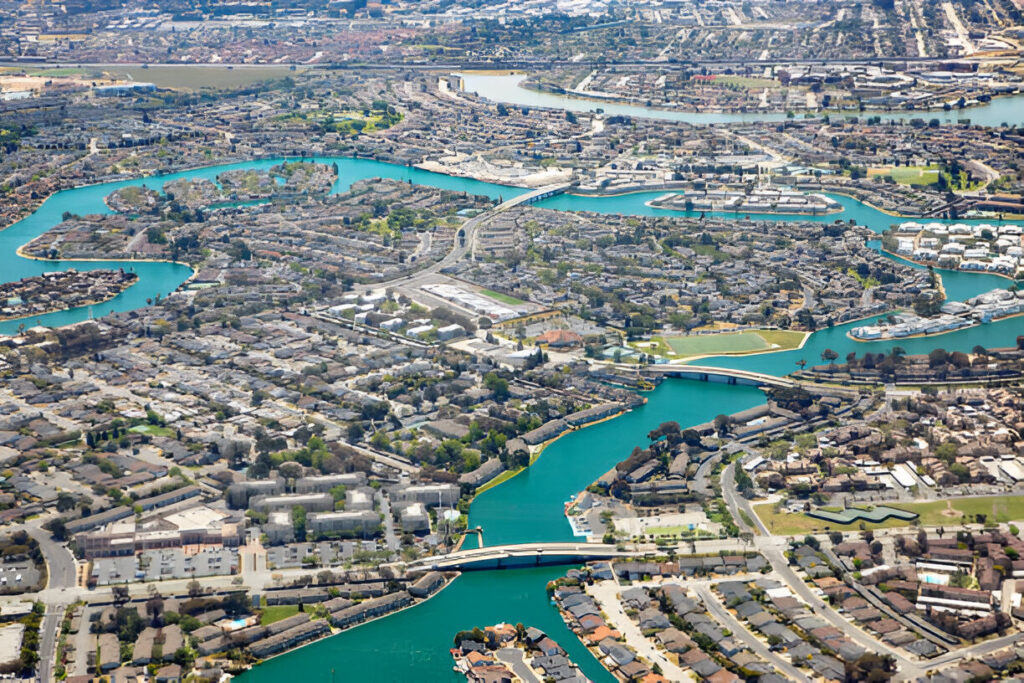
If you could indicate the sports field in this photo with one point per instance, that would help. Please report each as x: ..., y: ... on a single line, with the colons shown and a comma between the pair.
x: 952, y: 511
x: 734, y: 342
x: 908, y: 175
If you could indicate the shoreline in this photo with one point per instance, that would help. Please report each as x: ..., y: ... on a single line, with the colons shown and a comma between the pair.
x: 937, y: 268
x: 938, y: 334
x: 535, y: 455
x: 798, y: 114
x: 70, y: 308
x: 653, y: 205
x: 333, y: 633
x: 689, y: 359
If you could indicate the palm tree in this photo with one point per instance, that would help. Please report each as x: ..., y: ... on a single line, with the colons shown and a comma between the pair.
x: 801, y: 363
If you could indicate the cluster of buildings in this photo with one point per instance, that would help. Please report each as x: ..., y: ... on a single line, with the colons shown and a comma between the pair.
x: 758, y: 200
x: 61, y: 290
x: 486, y: 658
x: 979, y: 248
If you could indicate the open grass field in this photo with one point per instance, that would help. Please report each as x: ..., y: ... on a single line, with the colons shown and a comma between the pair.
x: 734, y: 342
x: 908, y: 175
x: 191, y: 77
x: 503, y: 298
x: 746, y: 82
x: 935, y: 513
x: 152, y: 430
x: 788, y: 524
x: 277, y: 613
x: 995, y: 509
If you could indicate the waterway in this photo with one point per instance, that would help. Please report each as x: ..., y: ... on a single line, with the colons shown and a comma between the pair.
x: 162, y: 278
x: 507, y: 88
x: 412, y: 645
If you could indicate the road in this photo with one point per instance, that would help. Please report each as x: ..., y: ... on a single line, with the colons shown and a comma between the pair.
x: 57, y: 595
x: 605, y: 594
x: 724, y: 617
x: 516, y: 659
x: 390, y: 537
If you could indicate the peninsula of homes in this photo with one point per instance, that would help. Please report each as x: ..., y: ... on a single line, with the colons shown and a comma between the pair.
x: 59, y: 291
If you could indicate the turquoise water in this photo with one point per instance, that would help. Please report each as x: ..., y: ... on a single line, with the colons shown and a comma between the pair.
x: 505, y: 88
x: 413, y: 645
x: 163, y: 278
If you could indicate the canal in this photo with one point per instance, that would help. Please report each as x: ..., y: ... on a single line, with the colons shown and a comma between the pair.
x: 413, y: 644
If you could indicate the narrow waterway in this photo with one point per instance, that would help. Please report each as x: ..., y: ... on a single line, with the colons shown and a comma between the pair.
x: 507, y: 88
x: 413, y: 645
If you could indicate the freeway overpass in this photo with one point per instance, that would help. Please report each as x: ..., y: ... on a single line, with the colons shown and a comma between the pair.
x: 520, y: 555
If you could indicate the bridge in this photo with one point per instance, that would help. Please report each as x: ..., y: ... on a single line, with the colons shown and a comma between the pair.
x: 704, y: 373
x: 520, y: 555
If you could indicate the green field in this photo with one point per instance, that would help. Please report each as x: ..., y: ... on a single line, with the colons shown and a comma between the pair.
x: 934, y: 513
x: 503, y: 298
x: 746, y: 82
x: 908, y: 175
x: 152, y: 430
x: 277, y: 613
x: 734, y: 342
x: 995, y: 509
x: 191, y: 77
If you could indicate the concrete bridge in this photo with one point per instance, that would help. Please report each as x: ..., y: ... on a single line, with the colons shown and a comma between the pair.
x: 539, y: 194
x: 519, y: 556
x: 703, y: 373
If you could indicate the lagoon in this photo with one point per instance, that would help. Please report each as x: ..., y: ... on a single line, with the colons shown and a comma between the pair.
x: 413, y: 644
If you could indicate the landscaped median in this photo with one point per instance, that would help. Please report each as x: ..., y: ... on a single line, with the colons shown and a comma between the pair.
x: 977, y: 510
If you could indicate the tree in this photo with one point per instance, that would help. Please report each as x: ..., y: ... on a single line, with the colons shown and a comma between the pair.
x: 498, y: 385
x: 195, y: 589
x: 299, y: 522
x: 830, y: 356
x: 721, y: 423
x: 120, y: 594
x: 871, y: 668
x: 154, y: 608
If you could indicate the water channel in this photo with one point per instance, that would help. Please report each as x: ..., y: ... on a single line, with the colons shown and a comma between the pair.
x: 507, y: 88
x: 413, y: 645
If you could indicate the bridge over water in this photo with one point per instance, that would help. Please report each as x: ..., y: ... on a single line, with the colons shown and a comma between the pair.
x: 520, y: 555
x: 704, y: 373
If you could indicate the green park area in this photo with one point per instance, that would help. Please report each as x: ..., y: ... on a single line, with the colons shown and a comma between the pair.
x: 152, y: 430
x: 723, y: 343
x: 908, y: 175
x: 950, y: 512
x: 503, y: 298
x: 747, y: 82
x: 276, y: 613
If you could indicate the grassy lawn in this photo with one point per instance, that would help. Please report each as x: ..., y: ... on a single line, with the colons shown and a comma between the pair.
x: 503, y: 298
x: 746, y: 82
x: 789, y: 524
x: 153, y: 430
x: 675, y: 530
x: 995, y: 508
x: 193, y: 77
x: 277, y: 613
x: 735, y: 342
x: 500, y: 479
x: 785, y: 339
x: 908, y: 175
